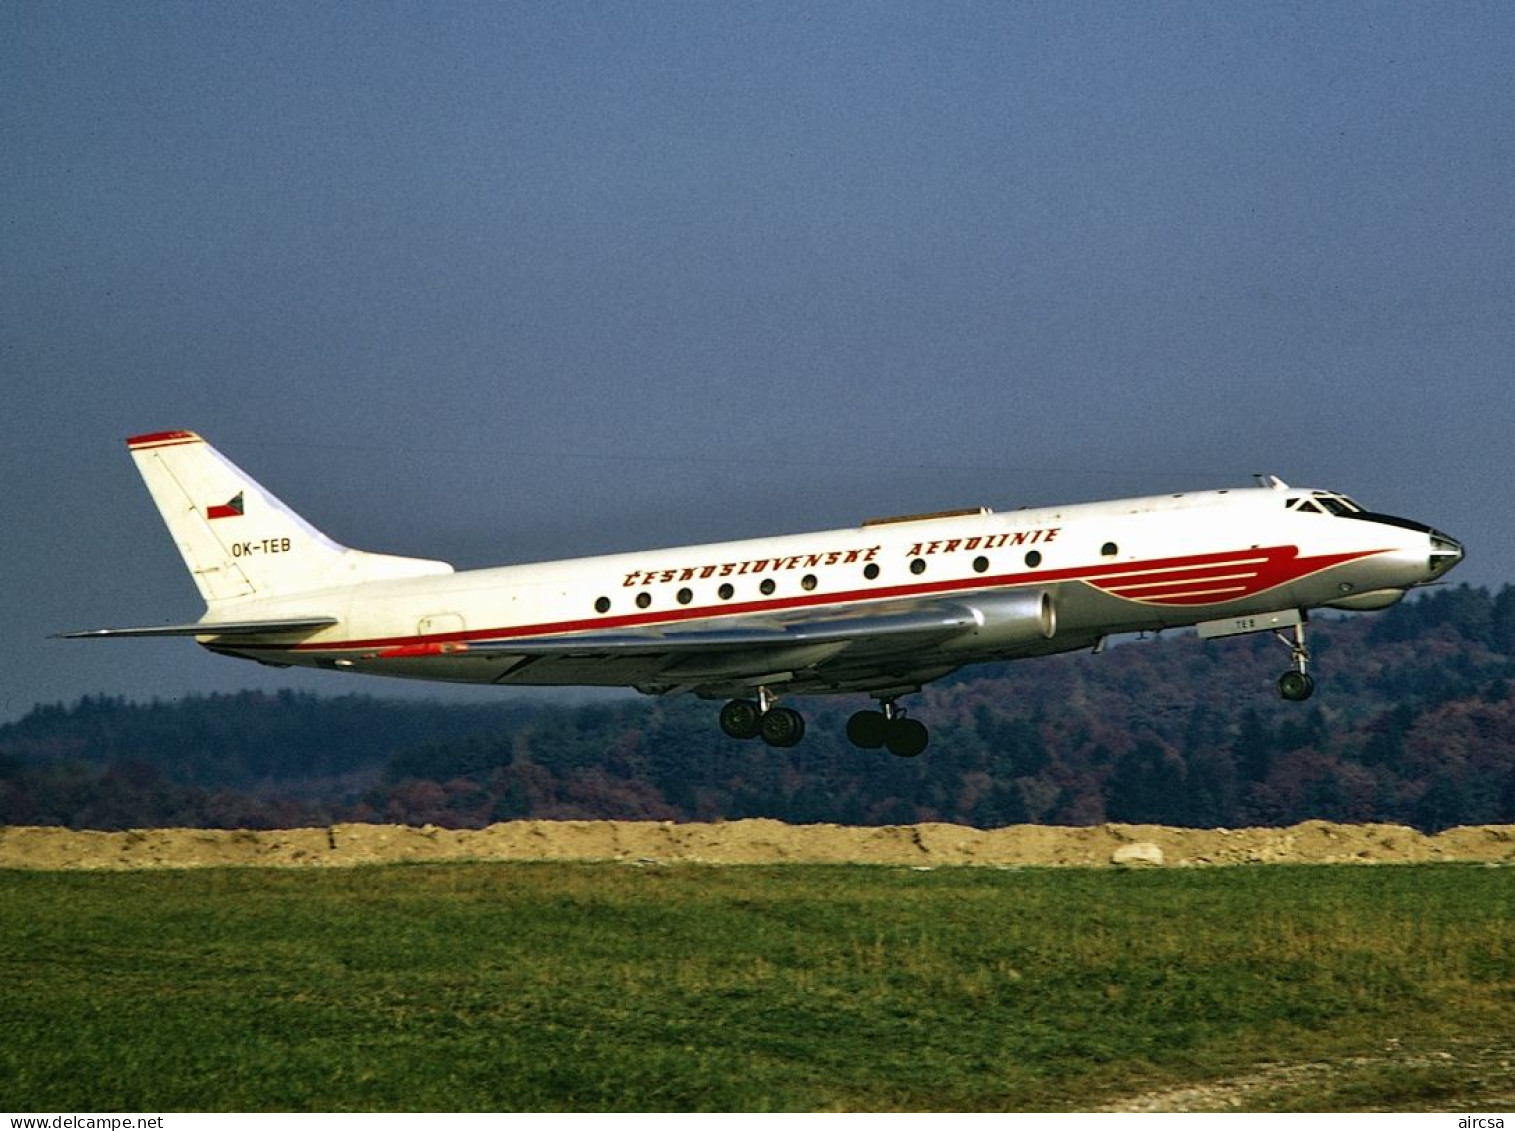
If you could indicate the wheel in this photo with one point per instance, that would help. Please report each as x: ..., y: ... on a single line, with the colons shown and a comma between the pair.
x: 782, y: 727
x: 907, y: 738
x: 1296, y: 687
x: 867, y: 729
x: 741, y: 718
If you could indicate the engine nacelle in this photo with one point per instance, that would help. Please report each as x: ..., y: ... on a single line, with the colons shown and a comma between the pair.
x: 1008, y: 620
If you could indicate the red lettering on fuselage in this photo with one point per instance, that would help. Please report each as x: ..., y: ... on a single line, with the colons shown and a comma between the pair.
x: 660, y: 576
x: 1042, y: 535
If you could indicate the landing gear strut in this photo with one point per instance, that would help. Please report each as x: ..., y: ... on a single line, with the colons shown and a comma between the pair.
x: 777, y: 726
x: 888, y: 727
x: 1296, y: 685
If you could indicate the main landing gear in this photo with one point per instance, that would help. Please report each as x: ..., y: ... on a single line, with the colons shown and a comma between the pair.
x: 1296, y: 685
x: 888, y: 727
x: 777, y: 726
x: 781, y: 727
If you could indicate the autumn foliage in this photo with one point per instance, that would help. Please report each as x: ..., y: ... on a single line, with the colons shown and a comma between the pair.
x: 1413, y: 722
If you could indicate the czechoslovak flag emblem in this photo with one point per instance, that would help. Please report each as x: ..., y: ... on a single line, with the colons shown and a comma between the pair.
x: 231, y: 509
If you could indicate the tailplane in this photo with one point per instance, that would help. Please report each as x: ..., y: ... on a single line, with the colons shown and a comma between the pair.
x: 238, y: 540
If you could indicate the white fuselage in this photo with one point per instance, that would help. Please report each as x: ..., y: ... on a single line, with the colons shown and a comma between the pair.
x: 1097, y: 569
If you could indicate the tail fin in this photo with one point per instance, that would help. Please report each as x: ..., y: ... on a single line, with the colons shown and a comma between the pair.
x: 237, y: 539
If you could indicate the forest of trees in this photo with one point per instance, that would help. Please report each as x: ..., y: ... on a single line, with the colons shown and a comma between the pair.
x: 1413, y: 722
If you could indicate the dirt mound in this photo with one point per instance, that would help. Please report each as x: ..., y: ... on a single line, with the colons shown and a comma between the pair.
x: 752, y: 842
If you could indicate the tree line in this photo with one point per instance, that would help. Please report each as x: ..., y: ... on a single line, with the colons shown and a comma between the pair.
x: 1413, y: 722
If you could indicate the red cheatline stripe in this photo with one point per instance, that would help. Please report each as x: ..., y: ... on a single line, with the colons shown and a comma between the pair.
x: 1199, y: 583
x: 1184, y: 586
x: 1289, y: 567
x: 1206, y: 564
x: 1185, y: 590
x: 1129, y: 589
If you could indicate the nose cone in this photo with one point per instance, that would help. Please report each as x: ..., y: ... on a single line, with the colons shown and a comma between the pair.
x: 1445, y: 553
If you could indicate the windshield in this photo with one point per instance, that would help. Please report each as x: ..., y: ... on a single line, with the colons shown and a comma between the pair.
x: 1324, y: 502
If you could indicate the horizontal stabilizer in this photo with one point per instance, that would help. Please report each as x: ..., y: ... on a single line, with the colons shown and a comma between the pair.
x: 213, y: 628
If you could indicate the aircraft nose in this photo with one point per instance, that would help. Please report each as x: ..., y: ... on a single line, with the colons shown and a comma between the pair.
x: 1446, y: 552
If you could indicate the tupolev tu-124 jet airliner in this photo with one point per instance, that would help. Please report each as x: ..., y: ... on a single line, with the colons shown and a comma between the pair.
x: 878, y: 609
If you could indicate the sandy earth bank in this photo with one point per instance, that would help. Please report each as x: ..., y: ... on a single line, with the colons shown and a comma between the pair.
x: 751, y: 842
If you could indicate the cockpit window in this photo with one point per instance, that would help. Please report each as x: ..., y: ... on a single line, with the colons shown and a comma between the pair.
x: 1337, y: 504
x: 1323, y: 502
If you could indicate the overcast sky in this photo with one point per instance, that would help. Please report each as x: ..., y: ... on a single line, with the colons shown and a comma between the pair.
x: 501, y: 282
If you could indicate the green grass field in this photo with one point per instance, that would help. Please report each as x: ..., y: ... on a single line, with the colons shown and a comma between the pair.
x: 595, y: 987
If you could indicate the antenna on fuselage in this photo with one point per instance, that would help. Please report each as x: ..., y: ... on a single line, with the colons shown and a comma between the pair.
x: 1272, y: 481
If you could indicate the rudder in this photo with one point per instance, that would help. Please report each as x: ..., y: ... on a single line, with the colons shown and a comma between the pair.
x: 238, y: 540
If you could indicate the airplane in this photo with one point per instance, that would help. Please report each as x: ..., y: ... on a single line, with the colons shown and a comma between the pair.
x: 881, y: 609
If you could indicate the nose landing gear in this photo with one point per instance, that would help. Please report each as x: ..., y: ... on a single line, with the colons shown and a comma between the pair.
x: 1296, y: 685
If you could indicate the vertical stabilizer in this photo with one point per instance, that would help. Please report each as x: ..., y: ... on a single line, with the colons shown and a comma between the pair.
x: 238, y: 540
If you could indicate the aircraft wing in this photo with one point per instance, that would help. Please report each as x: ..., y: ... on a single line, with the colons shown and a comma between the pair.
x: 914, y: 626
x: 861, y: 651
x: 209, y: 628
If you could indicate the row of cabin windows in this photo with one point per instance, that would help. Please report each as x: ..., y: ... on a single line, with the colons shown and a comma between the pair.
x: 809, y: 582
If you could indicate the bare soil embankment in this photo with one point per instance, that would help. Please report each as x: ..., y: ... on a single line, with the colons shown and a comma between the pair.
x: 752, y: 842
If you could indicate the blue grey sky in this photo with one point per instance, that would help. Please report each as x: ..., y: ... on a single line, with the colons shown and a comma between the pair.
x: 501, y: 282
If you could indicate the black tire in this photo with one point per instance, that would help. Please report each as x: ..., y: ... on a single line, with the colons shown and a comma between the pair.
x: 741, y: 718
x: 1296, y: 687
x: 867, y: 729
x: 782, y: 727
x: 907, y: 738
